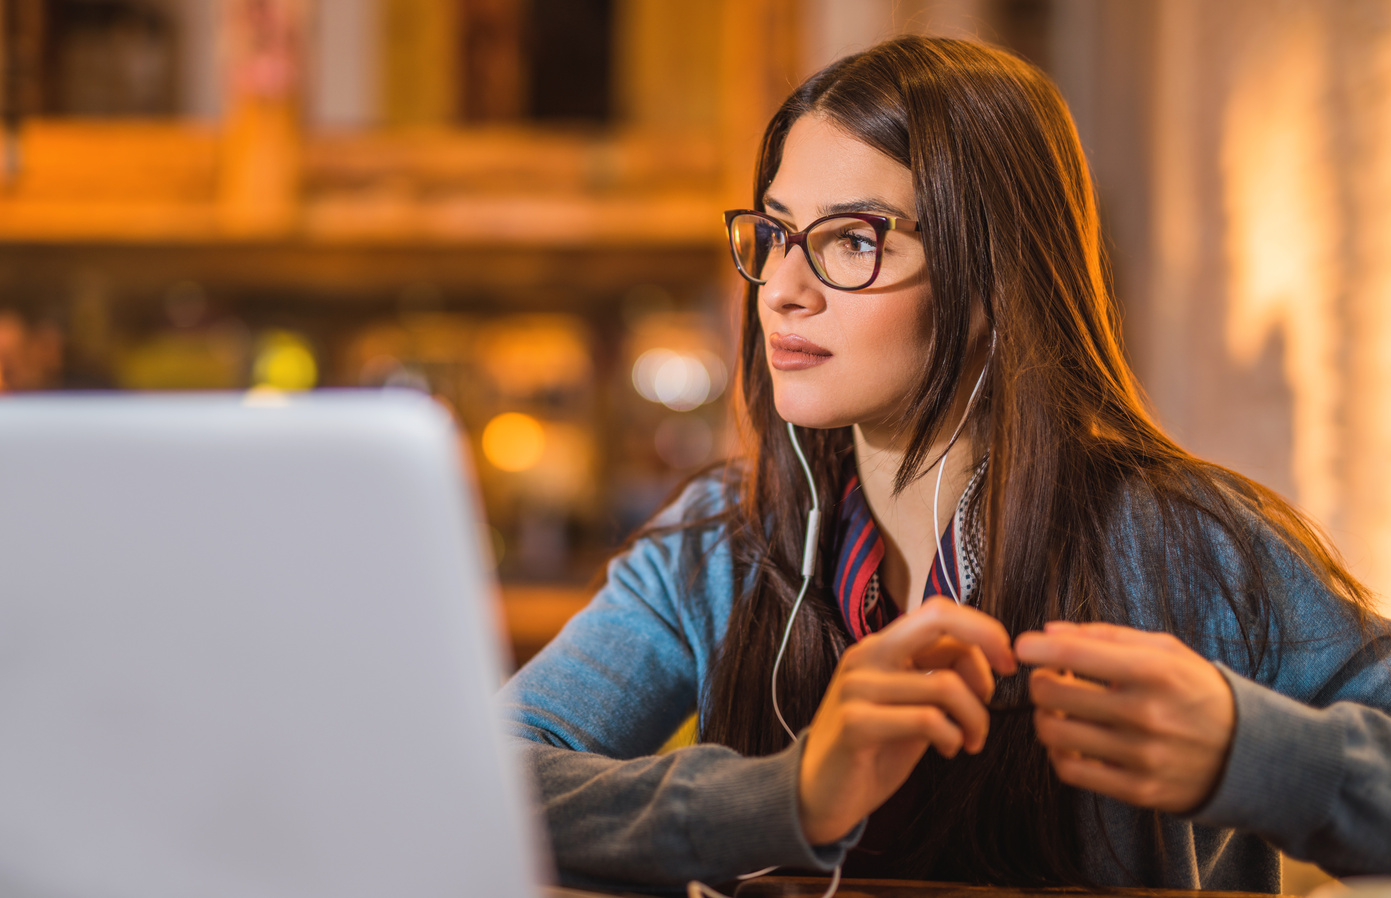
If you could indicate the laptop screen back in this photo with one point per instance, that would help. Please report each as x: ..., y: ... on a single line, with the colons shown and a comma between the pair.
x: 247, y: 648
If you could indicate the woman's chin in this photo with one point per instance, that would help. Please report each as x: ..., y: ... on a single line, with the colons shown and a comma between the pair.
x: 810, y: 416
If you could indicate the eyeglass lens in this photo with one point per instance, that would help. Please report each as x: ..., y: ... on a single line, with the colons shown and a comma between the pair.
x: 843, y: 250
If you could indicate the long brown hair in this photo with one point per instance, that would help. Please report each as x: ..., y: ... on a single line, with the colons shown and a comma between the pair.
x: 1083, y: 494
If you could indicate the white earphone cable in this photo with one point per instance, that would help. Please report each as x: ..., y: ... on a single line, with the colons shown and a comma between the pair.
x: 808, y: 567
x: 697, y: 889
x: 694, y: 888
x: 915, y: 601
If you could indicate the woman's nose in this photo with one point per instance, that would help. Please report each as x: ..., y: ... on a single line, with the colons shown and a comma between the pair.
x: 793, y: 285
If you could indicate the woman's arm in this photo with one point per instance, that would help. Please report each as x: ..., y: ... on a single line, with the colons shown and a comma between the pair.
x: 702, y: 812
x: 1298, y: 753
x: 1313, y: 781
x: 593, y: 706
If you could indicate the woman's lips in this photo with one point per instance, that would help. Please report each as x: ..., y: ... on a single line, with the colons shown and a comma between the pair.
x: 794, y: 353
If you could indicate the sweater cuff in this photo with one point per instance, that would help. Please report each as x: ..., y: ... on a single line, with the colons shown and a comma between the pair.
x: 1283, y: 768
x: 766, y: 794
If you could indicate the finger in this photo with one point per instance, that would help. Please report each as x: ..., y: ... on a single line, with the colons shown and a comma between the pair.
x: 1112, y: 633
x: 1097, y: 776
x: 869, y: 725
x: 1062, y: 693
x: 1089, y: 656
x: 901, y: 640
x: 1119, y: 748
x: 902, y: 687
x: 944, y: 690
x: 967, y: 660
x: 941, y: 652
x: 974, y: 670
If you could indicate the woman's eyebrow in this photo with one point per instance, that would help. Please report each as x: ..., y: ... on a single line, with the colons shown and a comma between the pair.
x: 867, y: 204
x: 775, y: 206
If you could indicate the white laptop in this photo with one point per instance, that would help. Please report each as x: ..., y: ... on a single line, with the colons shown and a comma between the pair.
x: 248, y: 648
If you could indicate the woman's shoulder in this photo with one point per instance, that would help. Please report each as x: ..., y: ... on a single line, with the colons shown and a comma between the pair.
x: 1234, y: 560
x: 1206, y: 504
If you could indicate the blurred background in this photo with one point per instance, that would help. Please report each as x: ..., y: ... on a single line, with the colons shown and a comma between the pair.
x: 514, y: 205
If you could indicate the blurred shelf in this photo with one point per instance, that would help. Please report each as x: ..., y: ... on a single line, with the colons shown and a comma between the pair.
x: 513, y: 159
x: 670, y: 219
x: 529, y: 277
x: 76, y: 162
x: 127, y: 183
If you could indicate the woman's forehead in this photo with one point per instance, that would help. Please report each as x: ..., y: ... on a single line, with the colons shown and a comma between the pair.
x: 825, y: 169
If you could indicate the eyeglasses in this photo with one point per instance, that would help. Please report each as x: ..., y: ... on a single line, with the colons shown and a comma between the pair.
x: 846, y: 251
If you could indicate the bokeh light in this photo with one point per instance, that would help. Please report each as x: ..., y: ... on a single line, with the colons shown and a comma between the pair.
x: 513, y: 441
x: 679, y: 380
x: 284, y: 361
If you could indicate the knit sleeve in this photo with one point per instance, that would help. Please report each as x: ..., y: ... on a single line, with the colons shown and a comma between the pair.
x: 1314, y: 780
x: 1309, y: 768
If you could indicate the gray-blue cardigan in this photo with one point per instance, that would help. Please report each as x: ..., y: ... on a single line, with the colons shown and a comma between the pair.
x: 1309, y: 770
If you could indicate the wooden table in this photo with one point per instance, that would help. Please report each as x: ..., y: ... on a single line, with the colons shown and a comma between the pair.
x: 815, y: 887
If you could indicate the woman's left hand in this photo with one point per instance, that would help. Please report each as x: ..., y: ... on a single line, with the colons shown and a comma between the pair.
x: 1135, y: 715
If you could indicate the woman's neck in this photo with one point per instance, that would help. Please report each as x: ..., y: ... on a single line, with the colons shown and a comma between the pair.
x: 906, y: 520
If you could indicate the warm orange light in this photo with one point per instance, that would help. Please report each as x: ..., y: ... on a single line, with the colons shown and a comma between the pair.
x: 1283, y: 247
x: 513, y: 441
x: 1305, y: 194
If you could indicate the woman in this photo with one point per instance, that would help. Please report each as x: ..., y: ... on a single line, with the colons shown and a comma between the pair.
x: 927, y: 310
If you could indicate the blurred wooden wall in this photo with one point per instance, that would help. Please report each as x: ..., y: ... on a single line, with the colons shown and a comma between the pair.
x: 1240, y: 154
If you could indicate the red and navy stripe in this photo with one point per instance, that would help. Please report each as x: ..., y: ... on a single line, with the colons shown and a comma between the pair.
x: 861, y: 553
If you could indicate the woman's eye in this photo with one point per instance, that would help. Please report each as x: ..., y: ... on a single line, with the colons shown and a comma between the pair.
x: 857, y: 242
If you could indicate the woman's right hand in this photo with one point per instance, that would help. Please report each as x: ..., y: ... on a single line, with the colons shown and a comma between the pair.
x: 883, y: 710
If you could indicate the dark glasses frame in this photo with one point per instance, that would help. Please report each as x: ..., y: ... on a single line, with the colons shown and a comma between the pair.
x: 881, y: 224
